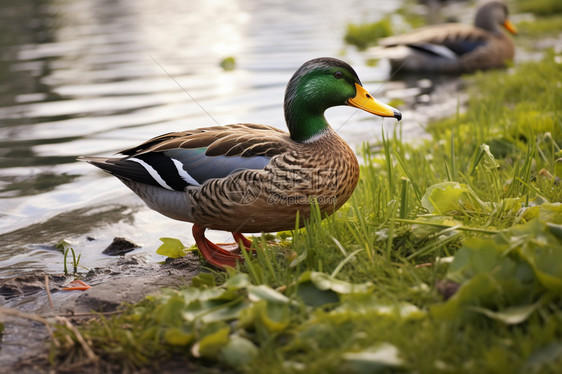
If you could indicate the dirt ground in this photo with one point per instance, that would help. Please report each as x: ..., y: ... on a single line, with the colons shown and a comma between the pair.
x: 25, y: 302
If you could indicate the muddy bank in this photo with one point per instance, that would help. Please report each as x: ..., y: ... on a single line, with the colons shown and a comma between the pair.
x: 25, y: 341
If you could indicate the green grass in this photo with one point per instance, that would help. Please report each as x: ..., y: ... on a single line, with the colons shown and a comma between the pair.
x: 539, y: 7
x: 364, y: 35
x: 549, y: 17
x: 546, y: 25
x: 367, y: 34
x: 476, y: 209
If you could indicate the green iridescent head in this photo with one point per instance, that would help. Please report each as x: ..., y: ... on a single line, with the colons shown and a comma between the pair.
x: 320, y: 84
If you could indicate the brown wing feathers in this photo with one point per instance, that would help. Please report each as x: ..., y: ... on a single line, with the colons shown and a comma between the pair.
x: 244, y: 140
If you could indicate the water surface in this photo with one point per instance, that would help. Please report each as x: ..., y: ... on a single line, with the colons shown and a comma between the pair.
x: 93, y: 77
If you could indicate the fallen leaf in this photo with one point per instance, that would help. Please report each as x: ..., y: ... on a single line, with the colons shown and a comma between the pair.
x: 77, y: 285
x: 172, y: 248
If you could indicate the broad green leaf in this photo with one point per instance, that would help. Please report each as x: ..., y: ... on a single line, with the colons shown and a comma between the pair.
x: 312, y: 296
x: 324, y: 282
x: 509, y: 205
x: 555, y: 230
x: 194, y: 310
x: 481, y: 289
x: 171, y: 247
x: 548, y: 354
x: 210, y: 345
x: 193, y: 294
x: 510, y: 316
x: 63, y: 244
x: 487, y: 256
x: 316, y: 288
x: 547, y: 264
x: 543, y: 251
x: 368, y: 304
x: 175, y: 336
x: 500, y: 277
x: 213, y: 310
x: 546, y: 212
x: 204, y: 280
x: 531, y: 212
x: 263, y: 292
x: 429, y: 225
x: 475, y: 257
x: 225, y: 312
x: 551, y: 213
x: 377, y: 359
x: 272, y: 317
x: 238, y: 281
x: 170, y: 312
x: 445, y: 197
x: 238, y: 351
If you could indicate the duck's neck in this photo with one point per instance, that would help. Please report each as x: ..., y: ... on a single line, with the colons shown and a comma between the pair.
x: 305, y: 129
x: 487, y: 18
x: 305, y: 121
x: 488, y: 25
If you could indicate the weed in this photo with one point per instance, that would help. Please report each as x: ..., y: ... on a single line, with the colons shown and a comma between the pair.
x: 65, y: 247
x: 365, y: 35
x: 539, y: 7
x: 546, y: 25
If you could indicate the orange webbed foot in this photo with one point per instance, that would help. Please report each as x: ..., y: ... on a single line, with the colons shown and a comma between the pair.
x: 220, y: 255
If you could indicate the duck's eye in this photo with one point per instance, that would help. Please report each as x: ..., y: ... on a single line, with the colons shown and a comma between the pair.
x: 338, y: 74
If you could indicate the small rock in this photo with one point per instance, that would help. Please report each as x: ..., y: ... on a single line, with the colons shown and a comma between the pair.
x: 27, y: 283
x: 425, y: 85
x: 119, y: 247
x: 423, y: 99
x: 112, y: 293
x: 130, y: 260
x: 446, y: 288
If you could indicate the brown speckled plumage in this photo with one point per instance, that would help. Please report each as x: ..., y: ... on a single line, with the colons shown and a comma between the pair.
x: 325, y: 170
x: 242, y: 139
x: 268, y: 200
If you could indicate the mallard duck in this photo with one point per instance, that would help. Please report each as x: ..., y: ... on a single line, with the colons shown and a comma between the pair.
x: 453, y: 48
x: 249, y: 177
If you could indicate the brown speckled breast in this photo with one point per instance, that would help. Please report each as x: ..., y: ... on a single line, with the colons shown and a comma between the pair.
x: 325, y: 170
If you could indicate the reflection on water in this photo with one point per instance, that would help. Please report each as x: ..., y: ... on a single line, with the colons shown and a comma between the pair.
x: 92, y: 77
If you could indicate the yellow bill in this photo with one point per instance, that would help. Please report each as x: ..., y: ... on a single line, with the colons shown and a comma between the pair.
x: 510, y: 27
x: 363, y: 100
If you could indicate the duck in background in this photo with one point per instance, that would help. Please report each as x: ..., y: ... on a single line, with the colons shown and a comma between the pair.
x: 250, y: 177
x: 453, y: 48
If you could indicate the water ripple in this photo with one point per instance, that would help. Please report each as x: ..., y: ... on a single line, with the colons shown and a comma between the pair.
x: 78, y: 78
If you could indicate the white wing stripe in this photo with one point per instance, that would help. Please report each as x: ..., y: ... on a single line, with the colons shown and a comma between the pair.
x: 184, y: 174
x: 153, y: 173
